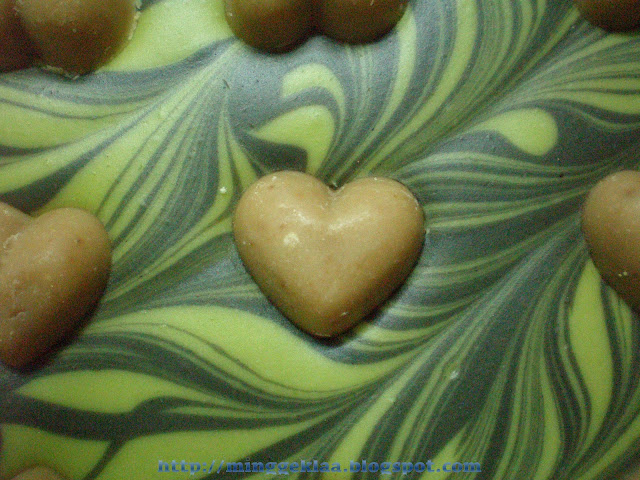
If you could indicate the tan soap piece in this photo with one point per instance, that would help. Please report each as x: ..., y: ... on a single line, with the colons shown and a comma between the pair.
x: 12, y: 221
x: 358, y: 21
x: 326, y: 257
x: 77, y: 36
x: 279, y: 25
x: 273, y: 25
x: 613, y: 15
x: 38, y: 473
x: 611, y: 226
x: 15, y: 49
x: 53, y: 270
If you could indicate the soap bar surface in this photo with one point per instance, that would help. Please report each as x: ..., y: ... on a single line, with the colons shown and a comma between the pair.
x: 326, y: 257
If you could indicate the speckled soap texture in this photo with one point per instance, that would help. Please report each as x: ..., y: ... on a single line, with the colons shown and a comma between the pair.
x: 503, y: 347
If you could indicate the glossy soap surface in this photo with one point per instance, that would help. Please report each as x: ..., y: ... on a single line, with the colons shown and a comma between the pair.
x: 502, y: 348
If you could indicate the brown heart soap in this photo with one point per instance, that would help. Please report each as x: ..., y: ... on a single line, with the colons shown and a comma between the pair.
x: 15, y: 48
x: 279, y: 25
x: 613, y: 15
x: 77, y: 36
x: 326, y: 258
x: 611, y: 226
x: 358, y: 21
x: 273, y: 25
x: 53, y: 270
x: 38, y: 473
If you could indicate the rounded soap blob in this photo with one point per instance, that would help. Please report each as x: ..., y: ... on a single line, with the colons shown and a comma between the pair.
x: 358, y: 21
x: 326, y: 257
x: 15, y: 49
x: 53, y: 270
x: 611, y: 226
x: 77, y: 36
x: 274, y: 25
x: 613, y: 15
x: 12, y: 221
x: 38, y: 473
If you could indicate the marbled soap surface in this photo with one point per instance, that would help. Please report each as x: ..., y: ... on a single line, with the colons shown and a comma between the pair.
x: 502, y: 348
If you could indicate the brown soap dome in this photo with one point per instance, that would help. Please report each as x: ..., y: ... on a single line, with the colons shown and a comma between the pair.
x: 273, y: 25
x: 15, y: 49
x: 611, y: 226
x: 38, y: 473
x: 77, y: 36
x: 612, y: 15
x: 53, y: 270
x: 358, y: 21
x: 327, y: 258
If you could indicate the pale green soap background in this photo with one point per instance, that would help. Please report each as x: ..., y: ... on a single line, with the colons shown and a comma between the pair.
x: 503, y: 348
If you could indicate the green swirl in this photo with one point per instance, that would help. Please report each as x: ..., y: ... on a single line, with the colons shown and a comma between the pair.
x: 503, y: 347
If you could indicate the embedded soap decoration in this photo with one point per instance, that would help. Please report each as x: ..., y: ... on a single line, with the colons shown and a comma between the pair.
x: 53, y: 270
x: 327, y: 258
x: 77, y: 36
x: 38, y: 473
x: 611, y: 226
x: 274, y: 25
x: 15, y: 49
x: 73, y: 36
x: 279, y: 25
x: 358, y: 21
x: 613, y: 15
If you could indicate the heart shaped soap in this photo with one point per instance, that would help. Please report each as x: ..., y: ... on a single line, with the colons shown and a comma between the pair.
x: 326, y: 258
x: 611, y: 226
x: 70, y: 35
x: 53, y: 270
x: 273, y: 25
x: 38, y: 473
x: 279, y: 25
x: 357, y: 21
x: 613, y: 15
x: 15, y: 49
x: 77, y: 36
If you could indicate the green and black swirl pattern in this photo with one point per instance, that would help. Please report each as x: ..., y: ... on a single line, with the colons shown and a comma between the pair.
x: 503, y: 347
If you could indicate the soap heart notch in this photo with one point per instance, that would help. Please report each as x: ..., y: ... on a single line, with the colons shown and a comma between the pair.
x: 327, y: 258
x: 281, y: 25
